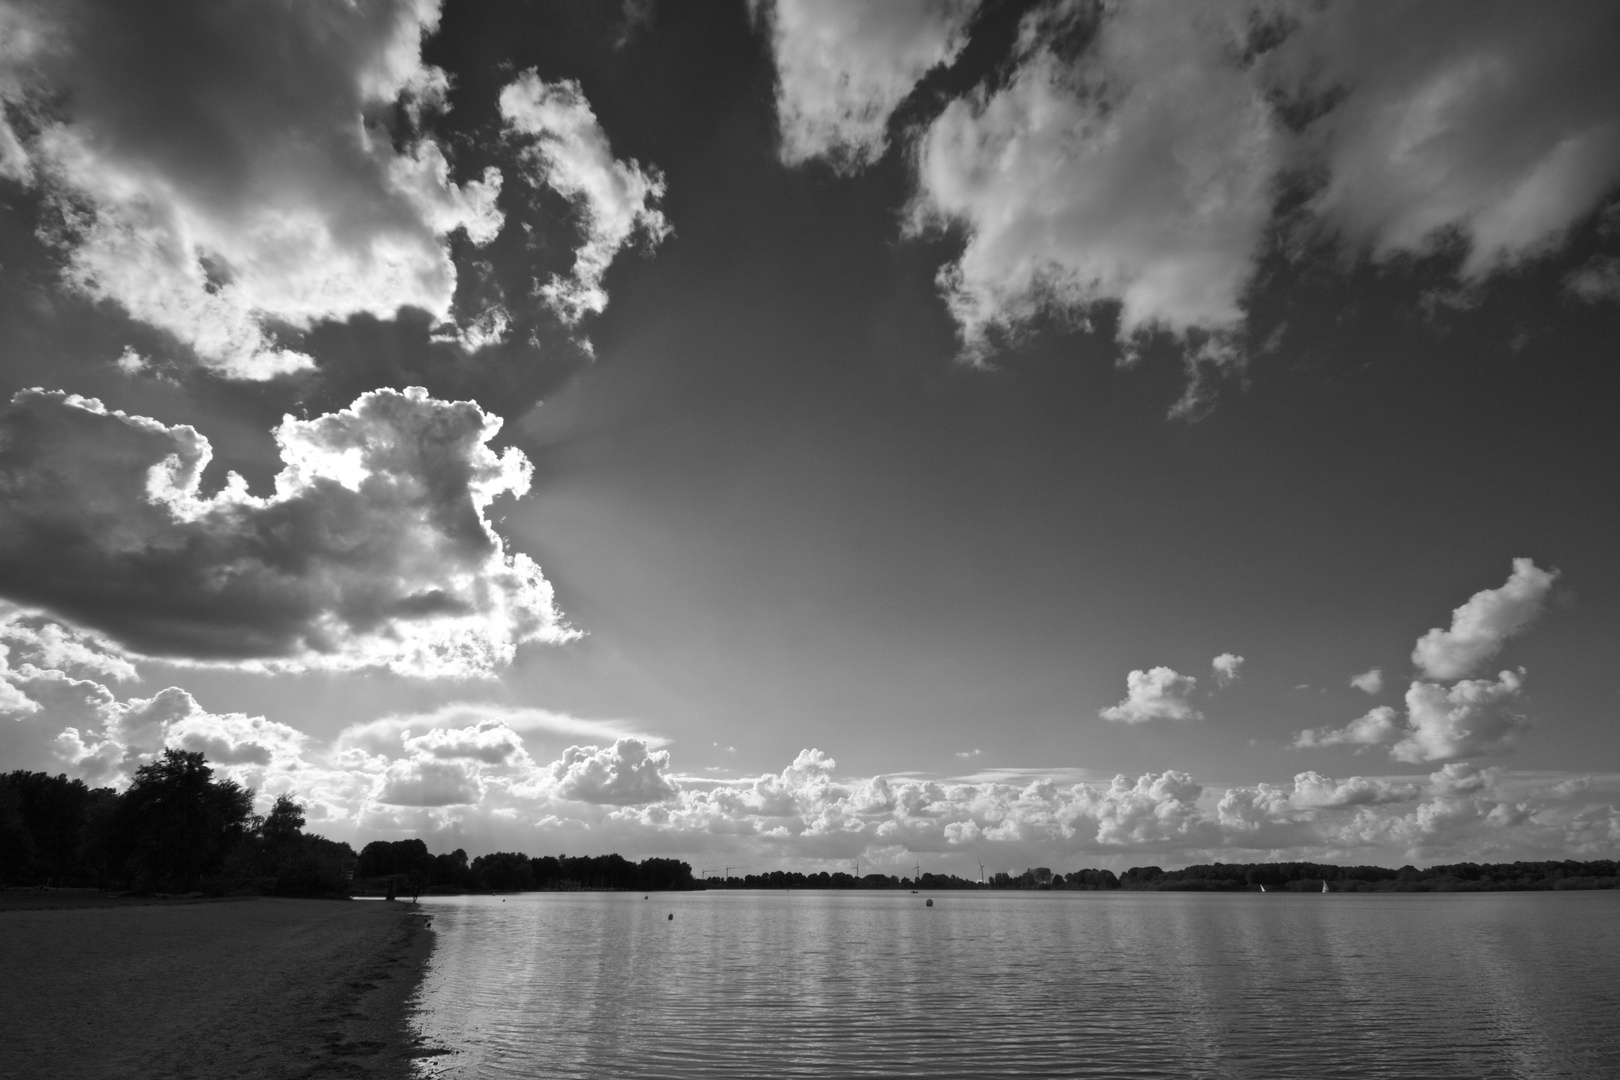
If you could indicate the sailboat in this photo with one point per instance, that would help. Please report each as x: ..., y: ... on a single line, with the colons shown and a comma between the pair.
x: 1262, y: 888
x: 1324, y: 885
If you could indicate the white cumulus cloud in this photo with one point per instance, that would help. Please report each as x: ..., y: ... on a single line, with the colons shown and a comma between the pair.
x: 624, y: 774
x: 1369, y: 682
x: 225, y: 202
x: 1227, y: 667
x: 1139, y: 174
x: 1156, y: 694
x: 1474, y: 716
x: 842, y: 66
x: 570, y: 153
x: 427, y: 781
x: 1480, y: 627
x: 1377, y: 726
x: 1134, y: 155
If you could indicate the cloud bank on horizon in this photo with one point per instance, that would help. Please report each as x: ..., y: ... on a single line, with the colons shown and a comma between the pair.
x: 464, y: 773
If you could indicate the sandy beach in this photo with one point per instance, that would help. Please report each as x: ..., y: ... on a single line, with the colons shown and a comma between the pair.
x: 241, y: 988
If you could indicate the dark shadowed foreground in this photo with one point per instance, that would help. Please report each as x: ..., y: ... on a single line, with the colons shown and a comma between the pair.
x: 251, y: 988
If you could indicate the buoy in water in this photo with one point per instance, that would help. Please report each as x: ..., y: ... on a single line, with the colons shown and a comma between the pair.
x: 930, y: 903
x: 672, y: 916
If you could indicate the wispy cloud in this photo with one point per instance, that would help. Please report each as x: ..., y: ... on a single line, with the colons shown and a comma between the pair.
x: 614, y: 199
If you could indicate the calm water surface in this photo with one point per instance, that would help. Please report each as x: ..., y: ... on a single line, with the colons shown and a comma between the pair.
x: 835, y: 984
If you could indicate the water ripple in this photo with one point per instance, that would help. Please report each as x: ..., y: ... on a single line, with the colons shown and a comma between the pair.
x: 1129, y: 985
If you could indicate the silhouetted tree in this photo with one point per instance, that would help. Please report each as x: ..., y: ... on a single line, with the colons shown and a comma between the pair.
x: 285, y: 821
x: 42, y: 821
x: 180, y: 823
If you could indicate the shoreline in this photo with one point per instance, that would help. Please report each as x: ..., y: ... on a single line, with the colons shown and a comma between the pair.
x: 259, y: 987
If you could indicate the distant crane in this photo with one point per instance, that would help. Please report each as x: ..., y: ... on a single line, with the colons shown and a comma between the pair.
x: 729, y: 869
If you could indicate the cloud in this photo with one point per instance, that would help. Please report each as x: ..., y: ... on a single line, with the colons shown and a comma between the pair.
x: 1139, y: 174
x: 1480, y: 627
x: 12, y: 699
x: 460, y: 776
x: 226, y: 203
x: 843, y: 66
x: 1153, y: 809
x: 1134, y: 154
x: 1596, y: 281
x: 474, y: 785
x: 1370, y: 681
x: 235, y: 738
x: 614, y: 199
x: 1379, y: 725
x: 39, y: 642
x: 1485, y: 121
x: 1312, y: 790
x: 374, y: 549
x: 1226, y: 667
x: 122, y: 735
x: 624, y: 774
x: 430, y: 782
x: 490, y: 742
x: 1472, y: 717
x: 1157, y: 694
x: 387, y: 734
x: 1475, y: 716
x: 1462, y: 777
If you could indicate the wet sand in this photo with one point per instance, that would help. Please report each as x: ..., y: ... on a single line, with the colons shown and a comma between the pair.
x: 245, y: 988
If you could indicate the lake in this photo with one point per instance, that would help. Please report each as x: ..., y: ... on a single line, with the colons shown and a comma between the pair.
x: 1004, y: 984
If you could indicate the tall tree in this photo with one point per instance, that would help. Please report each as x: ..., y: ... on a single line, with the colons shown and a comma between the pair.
x: 181, y: 823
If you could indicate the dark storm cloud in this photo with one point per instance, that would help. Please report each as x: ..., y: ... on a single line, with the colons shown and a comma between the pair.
x: 374, y: 549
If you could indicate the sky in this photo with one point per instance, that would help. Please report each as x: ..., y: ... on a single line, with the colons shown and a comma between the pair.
x: 975, y: 435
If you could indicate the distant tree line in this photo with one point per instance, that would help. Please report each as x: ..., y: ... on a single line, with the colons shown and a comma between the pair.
x: 1309, y: 877
x: 176, y: 829
x: 1225, y: 877
x: 384, y: 862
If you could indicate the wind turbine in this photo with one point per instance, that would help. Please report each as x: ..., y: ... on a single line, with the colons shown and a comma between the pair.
x: 981, y: 873
x: 916, y: 872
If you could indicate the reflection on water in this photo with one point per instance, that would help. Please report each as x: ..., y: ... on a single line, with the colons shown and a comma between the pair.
x: 813, y: 984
